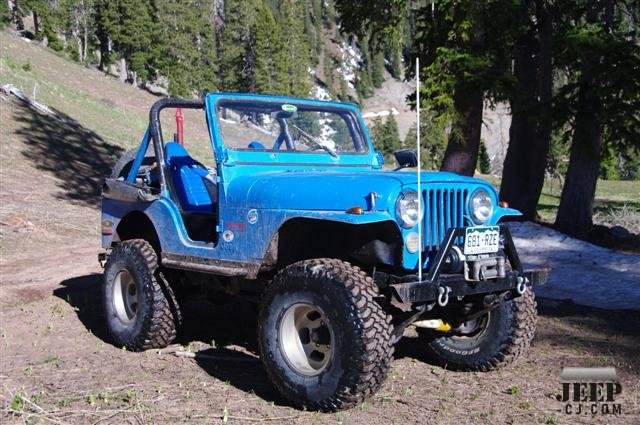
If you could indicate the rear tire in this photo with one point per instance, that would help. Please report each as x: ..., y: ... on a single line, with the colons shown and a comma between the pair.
x: 123, y: 164
x: 140, y: 308
x: 492, y: 341
x: 325, y: 342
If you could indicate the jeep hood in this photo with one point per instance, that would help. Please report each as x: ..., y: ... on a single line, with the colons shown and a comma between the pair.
x: 329, y: 190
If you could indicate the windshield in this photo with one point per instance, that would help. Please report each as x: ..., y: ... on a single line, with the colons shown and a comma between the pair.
x: 278, y: 126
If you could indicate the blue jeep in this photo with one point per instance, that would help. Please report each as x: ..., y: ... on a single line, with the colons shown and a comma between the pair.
x: 297, y: 210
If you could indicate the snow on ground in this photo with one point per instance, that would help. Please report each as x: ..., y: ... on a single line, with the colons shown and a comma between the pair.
x: 386, y: 113
x: 351, y: 58
x: 581, y: 272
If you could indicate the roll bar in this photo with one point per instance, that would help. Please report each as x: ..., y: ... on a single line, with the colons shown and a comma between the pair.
x: 156, y: 129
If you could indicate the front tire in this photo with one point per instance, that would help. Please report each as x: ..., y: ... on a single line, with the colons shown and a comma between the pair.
x: 140, y: 308
x: 324, y: 340
x: 488, y: 342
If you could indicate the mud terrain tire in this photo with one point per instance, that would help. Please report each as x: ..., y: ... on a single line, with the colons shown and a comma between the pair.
x: 360, y: 350
x: 140, y: 308
x: 505, y: 336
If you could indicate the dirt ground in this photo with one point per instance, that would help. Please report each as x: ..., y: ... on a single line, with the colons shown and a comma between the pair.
x: 54, y: 353
x: 57, y: 365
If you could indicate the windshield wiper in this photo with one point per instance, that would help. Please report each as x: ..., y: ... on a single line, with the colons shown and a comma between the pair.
x: 326, y: 148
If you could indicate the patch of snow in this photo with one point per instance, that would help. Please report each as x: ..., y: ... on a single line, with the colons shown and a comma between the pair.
x: 351, y: 58
x: 386, y: 113
x: 581, y: 272
x: 320, y: 93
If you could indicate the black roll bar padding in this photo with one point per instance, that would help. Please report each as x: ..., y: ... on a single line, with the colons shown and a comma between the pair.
x: 156, y: 130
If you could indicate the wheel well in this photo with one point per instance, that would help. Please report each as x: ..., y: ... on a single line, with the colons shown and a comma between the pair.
x: 137, y: 225
x: 303, y: 238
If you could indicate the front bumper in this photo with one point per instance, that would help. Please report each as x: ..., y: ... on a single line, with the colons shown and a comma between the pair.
x: 440, y: 287
x: 448, y: 286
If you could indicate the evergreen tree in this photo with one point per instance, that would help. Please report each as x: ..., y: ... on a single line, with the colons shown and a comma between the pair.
x: 189, y: 57
x: 433, y: 139
x: 5, y: 14
x: 377, y: 69
x: 237, y: 60
x: 136, y: 40
x: 106, y: 29
x: 270, y: 54
x: 484, y: 161
x: 386, y: 137
x: 297, y: 49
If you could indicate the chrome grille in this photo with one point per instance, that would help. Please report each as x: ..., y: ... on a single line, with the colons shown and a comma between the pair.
x: 444, y: 209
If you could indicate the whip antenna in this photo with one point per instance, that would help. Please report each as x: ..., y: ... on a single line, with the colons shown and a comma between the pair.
x: 419, y: 170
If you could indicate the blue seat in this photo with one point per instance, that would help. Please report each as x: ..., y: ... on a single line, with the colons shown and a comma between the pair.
x: 190, y: 180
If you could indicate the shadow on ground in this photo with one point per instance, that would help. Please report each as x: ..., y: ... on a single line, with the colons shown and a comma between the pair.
x: 232, y: 325
x: 225, y: 326
x: 74, y: 154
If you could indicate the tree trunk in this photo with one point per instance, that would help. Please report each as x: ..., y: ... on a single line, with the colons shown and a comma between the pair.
x: 461, y: 154
x: 575, y: 213
x: 15, y: 15
x: 105, y: 50
x: 123, y: 70
x: 530, y: 131
x: 576, y: 203
x: 36, y: 24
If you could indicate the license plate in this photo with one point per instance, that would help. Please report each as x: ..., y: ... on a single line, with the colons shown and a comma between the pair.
x: 481, y: 240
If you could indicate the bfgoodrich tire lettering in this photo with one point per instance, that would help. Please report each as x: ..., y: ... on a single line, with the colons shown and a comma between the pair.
x: 361, y: 350
x: 504, y: 336
x: 150, y: 316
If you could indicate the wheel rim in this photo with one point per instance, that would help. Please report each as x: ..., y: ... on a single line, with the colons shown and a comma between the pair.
x: 306, y: 339
x: 125, y: 296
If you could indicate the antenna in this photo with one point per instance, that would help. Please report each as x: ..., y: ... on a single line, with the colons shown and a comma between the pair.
x: 419, y: 170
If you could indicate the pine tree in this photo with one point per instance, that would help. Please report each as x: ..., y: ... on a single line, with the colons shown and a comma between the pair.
x: 270, y: 54
x: 106, y: 29
x: 136, y: 40
x: 433, y: 139
x: 5, y: 14
x: 386, y: 137
x: 484, y: 161
x: 237, y: 45
x: 377, y: 69
x: 189, y: 57
x: 391, y: 141
x: 297, y: 48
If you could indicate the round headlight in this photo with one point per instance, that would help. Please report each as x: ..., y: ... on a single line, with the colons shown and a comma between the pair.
x: 407, y: 209
x: 480, y: 206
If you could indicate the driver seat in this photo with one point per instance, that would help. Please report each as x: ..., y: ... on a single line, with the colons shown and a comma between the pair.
x: 195, y: 188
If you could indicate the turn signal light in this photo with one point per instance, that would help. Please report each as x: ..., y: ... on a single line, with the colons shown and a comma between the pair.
x: 503, y: 204
x: 355, y: 210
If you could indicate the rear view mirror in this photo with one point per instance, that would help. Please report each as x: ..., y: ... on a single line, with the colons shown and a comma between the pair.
x: 406, y: 158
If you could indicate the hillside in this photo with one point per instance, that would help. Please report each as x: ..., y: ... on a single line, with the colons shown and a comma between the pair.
x: 55, y: 353
x: 52, y: 167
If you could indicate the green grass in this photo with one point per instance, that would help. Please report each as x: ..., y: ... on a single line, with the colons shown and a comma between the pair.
x: 617, y: 202
x: 113, y: 124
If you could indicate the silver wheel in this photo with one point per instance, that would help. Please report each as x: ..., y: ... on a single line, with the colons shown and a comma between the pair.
x: 125, y: 296
x: 306, y: 339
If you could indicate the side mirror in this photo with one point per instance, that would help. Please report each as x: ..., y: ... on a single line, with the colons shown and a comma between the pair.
x: 406, y: 158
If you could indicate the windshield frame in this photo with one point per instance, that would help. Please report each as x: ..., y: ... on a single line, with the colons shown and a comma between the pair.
x: 226, y: 157
x: 351, y: 119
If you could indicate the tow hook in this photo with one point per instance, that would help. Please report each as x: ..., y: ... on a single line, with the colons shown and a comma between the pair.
x: 521, y: 287
x: 443, y: 295
x: 436, y: 324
